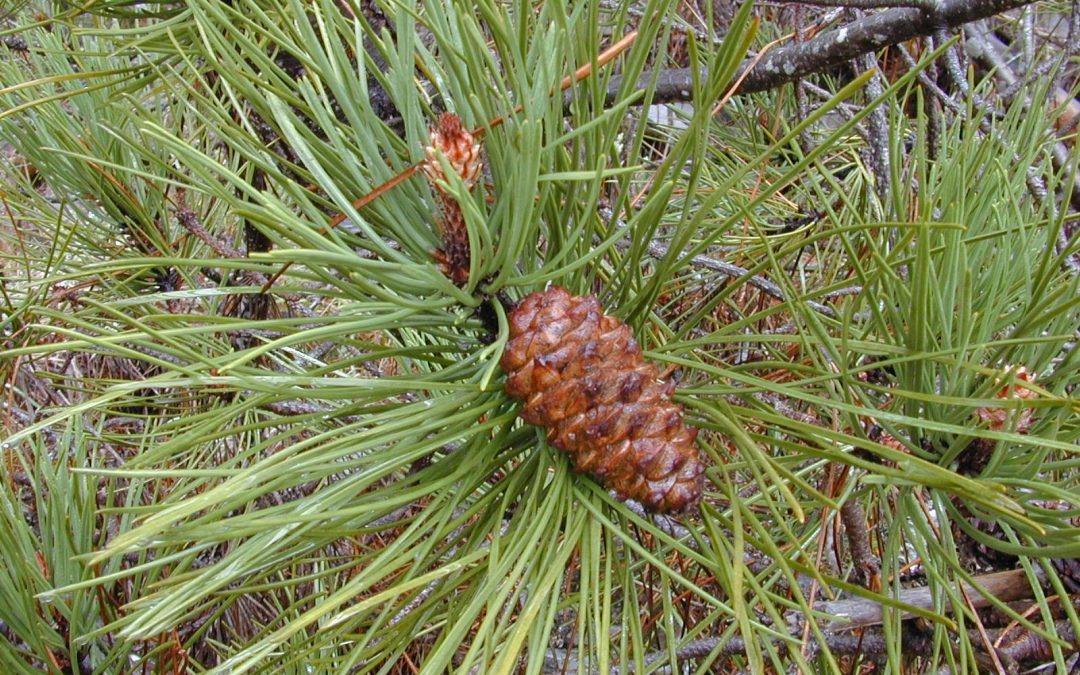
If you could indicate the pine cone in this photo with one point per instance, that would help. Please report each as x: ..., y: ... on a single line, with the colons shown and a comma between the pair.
x: 998, y: 418
x: 582, y: 376
x: 454, y: 255
x: 452, y: 139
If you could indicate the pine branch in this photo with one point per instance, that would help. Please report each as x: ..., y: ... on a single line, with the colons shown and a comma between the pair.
x: 927, y: 5
x: 826, y: 50
x: 843, y: 639
x: 863, y: 612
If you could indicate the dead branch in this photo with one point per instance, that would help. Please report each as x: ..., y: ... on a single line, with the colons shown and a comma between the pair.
x: 927, y: 5
x: 833, y: 48
x: 841, y: 638
x: 863, y: 612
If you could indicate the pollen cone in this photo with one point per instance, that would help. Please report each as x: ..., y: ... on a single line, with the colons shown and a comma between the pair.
x: 583, y: 377
x: 462, y: 150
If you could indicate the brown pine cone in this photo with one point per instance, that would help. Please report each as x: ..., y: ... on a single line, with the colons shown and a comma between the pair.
x: 582, y: 376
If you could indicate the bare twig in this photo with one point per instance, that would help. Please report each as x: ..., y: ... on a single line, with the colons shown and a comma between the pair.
x: 802, y: 107
x: 1025, y: 646
x: 870, y: 646
x: 927, y: 5
x: 1072, y: 40
x: 190, y: 222
x: 863, y: 612
x: 788, y: 63
x: 639, y: 14
x: 877, y: 126
x: 1027, y: 38
x: 659, y: 250
x: 858, y: 537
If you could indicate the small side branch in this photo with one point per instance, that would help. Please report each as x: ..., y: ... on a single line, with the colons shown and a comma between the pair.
x: 659, y: 250
x: 858, y: 537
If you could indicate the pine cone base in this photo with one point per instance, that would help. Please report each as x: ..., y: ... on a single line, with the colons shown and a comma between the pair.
x: 583, y: 377
x: 454, y: 255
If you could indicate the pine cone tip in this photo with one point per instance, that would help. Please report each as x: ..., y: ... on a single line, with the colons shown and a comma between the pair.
x: 460, y: 147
